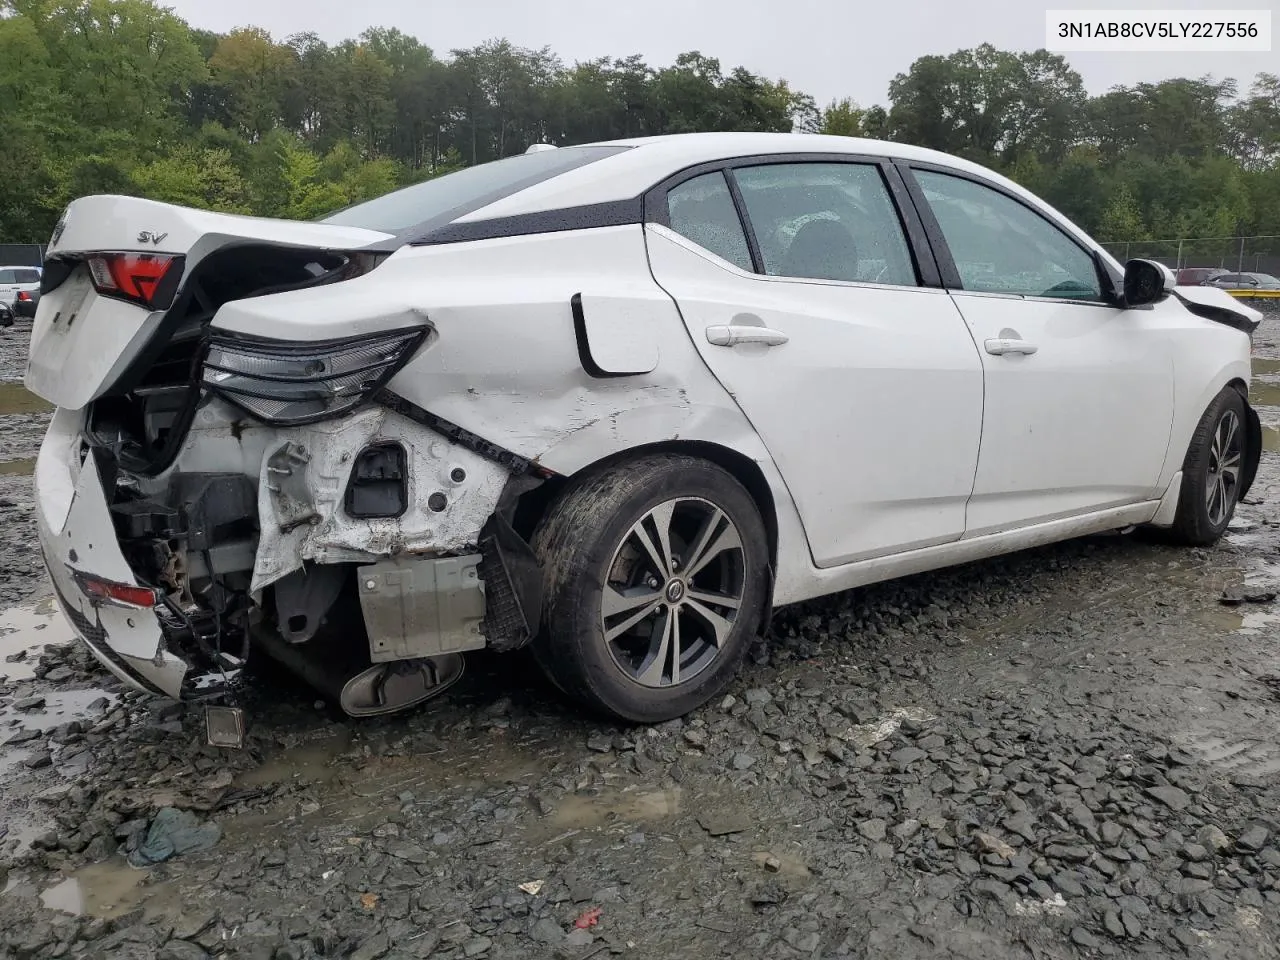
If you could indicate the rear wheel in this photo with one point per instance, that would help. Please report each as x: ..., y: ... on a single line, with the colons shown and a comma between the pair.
x: 655, y: 578
x: 1211, y: 472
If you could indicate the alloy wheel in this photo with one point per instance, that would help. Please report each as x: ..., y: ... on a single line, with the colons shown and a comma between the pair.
x: 1225, y: 453
x: 673, y: 590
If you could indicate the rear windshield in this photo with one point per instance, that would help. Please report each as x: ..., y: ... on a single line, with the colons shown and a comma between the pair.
x: 19, y: 275
x: 434, y: 203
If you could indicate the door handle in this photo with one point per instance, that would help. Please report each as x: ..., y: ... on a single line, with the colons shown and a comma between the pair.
x: 734, y: 334
x: 1002, y: 345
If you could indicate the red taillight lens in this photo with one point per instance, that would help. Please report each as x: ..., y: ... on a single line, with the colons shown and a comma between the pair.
x: 118, y: 594
x: 23, y: 295
x: 137, y: 277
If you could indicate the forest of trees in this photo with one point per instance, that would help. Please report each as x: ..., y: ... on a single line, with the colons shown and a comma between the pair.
x: 122, y: 96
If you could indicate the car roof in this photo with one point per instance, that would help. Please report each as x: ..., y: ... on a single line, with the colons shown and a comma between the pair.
x: 647, y: 161
x: 651, y: 159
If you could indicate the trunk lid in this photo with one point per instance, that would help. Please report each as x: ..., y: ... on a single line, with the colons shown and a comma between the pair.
x: 83, y: 341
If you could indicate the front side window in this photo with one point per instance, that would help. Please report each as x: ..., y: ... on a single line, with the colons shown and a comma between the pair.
x: 1001, y: 246
x: 702, y: 210
x: 826, y: 221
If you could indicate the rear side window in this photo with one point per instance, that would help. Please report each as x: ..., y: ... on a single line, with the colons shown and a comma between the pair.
x: 442, y: 200
x: 826, y: 221
x: 702, y: 210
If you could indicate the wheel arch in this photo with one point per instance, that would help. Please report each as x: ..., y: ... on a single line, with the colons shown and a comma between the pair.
x: 1253, y: 431
x: 534, y: 504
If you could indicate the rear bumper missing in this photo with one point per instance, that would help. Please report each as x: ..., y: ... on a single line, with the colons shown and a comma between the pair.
x: 446, y: 575
x: 76, y: 534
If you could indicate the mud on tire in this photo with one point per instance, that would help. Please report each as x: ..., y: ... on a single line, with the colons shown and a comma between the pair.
x: 655, y: 576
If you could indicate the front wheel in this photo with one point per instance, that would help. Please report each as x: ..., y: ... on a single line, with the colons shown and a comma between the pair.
x: 1211, y: 472
x: 656, y: 577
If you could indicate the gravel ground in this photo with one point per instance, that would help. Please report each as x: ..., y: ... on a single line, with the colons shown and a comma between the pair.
x: 1069, y: 752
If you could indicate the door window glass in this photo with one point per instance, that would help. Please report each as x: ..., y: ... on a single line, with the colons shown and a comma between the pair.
x: 1001, y: 246
x: 702, y: 210
x: 827, y: 221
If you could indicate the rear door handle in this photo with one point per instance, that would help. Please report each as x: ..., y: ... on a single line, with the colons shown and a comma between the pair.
x: 734, y: 334
x: 1002, y: 345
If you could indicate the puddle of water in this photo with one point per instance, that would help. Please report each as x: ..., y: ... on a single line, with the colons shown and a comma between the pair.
x: 579, y: 812
x: 66, y: 896
x: 1261, y: 366
x: 356, y: 795
x: 111, y: 889
x: 26, y: 629
x: 18, y: 468
x: 308, y: 763
x: 65, y: 705
x: 15, y: 398
x: 1264, y: 392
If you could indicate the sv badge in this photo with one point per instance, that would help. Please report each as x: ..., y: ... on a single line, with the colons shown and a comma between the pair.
x: 146, y: 236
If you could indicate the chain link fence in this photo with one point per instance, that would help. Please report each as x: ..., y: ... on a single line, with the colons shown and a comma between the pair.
x: 1237, y: 254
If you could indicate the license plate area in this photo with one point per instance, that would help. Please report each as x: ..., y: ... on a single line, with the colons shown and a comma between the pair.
x: 68, y: 300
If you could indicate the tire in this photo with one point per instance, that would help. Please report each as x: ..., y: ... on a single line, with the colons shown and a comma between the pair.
x: 591, y: 545
x: 1211, y: 472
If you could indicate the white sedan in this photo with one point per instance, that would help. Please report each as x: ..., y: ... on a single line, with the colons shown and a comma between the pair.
x: 611, y: 402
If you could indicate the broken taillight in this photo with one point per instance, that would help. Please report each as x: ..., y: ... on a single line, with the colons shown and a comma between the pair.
x: 147, y: 279
x: 117, y: 594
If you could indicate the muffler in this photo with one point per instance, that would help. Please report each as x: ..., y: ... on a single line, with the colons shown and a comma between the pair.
x: 347, y: 676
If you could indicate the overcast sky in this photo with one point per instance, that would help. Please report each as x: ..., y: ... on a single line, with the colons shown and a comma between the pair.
x: 829, y: 48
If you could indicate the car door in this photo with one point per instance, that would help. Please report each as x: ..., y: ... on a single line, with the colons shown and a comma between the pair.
x: 800, y: 290
x: 1078, y: 398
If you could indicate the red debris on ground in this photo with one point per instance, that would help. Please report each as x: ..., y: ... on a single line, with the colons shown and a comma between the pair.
x: 589, y: 918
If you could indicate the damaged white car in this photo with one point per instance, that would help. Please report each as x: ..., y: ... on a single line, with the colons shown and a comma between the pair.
x: 612, y: 402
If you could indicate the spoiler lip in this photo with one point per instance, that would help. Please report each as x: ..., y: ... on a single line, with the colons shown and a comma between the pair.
x: 1219, y: 306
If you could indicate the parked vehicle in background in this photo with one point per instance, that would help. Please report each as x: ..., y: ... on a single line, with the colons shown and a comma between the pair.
x: 1193, y: 276
x: 16, y: 280
x: 24, y: 305
x: 1244, y: 281
x: 614, y: 402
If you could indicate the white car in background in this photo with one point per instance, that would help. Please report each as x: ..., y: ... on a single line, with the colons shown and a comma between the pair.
x: 614, y: 402
x: 19, y: 282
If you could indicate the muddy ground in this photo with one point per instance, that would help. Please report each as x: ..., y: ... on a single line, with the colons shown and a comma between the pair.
x: 1070, y: 752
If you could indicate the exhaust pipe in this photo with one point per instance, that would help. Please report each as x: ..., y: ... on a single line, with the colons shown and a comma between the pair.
x: 362, y: 688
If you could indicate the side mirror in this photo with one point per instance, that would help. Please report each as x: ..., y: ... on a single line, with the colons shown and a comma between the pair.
x: 1146, y: 281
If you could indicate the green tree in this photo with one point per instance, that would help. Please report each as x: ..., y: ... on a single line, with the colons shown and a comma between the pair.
x: 843, y: 118
x: 256, y: 76
x: 1122, y: 218
x: 194, y: 177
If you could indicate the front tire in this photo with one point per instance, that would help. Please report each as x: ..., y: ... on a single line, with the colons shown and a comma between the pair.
x: 1211, y: 472
x: 655, y: 583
